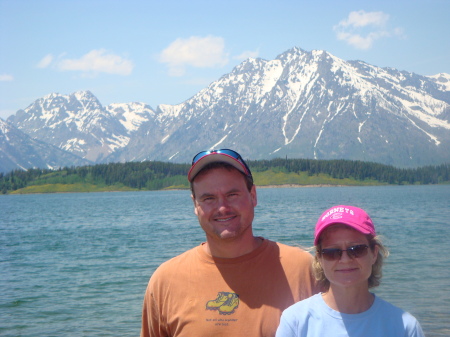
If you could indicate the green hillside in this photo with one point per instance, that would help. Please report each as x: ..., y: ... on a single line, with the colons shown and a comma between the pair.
x: 151, y: 175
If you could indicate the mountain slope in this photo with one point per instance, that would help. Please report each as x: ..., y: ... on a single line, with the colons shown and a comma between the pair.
x: 299, y: 105
x: 20, y: 151
x: 314, y: 105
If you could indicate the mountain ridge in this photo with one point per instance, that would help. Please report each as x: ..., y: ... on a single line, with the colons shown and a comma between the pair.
x: 299, y: 105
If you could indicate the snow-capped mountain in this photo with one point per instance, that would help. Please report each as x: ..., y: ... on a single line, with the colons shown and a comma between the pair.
x: 20, y: 151
x: 312, y: 105
x: 78, y: 123
x: 300, y: 105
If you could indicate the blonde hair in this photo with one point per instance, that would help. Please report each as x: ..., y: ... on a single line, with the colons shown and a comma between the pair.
x: 375, y: 277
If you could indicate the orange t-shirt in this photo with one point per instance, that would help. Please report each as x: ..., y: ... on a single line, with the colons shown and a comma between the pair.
x: 195, y: 294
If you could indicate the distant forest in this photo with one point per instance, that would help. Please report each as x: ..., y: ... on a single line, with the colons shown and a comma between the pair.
x: 154, y: 175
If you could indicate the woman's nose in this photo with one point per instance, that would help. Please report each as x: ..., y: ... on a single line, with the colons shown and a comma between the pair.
x: 344, y: 256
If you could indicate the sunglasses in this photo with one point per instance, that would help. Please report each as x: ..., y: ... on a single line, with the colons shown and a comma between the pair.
x: 227, y: 152
x: 354, y: 252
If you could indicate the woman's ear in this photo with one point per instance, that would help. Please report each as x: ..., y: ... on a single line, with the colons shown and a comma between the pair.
x: 375, y: 254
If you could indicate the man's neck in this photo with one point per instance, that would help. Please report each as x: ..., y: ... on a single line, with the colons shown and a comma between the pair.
x: 232, y: 248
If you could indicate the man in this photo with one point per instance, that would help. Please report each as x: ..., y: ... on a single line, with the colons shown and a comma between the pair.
x: 234, y: 284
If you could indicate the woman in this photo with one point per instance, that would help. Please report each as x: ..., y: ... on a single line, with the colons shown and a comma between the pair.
x: 347, y: 263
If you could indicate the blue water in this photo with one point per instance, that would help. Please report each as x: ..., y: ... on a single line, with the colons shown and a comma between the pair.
x: 78, y: 264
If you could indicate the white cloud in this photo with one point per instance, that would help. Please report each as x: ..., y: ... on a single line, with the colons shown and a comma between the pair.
x: 361, y: 29
x: 361, y: 42
x: 45, y: 62
x: 363, y: 18
x: 97, y: 61
x: 200, y: 52
x: 247, y: 54
x: 6, y: 78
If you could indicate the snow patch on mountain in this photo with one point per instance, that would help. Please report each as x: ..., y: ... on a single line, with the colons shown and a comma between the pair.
x: 299, y: 105
x: 443, y: 81
x: 117, y: 142
x: 169, y: 111
x: 131, y: 115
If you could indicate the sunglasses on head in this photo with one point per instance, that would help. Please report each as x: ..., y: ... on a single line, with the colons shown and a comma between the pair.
x: 227, y: 152
x: 354, y: 252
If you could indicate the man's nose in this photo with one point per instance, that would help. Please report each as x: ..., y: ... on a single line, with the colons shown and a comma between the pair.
x: 223, y: 203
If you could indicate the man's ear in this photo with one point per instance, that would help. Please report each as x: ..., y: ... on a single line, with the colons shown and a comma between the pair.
x: 195, y: 204
x: 254, y: 196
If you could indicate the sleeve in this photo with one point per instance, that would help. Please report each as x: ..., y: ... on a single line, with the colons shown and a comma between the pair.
x: 417, y: 331
x: 285, y: 329
x: 145, y: 327
x: 152, y: 319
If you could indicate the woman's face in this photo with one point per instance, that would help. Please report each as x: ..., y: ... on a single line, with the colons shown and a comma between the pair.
x: 347, y: 271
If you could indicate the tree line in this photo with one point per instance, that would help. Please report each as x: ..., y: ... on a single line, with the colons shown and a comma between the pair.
x: 359, y: 170
x: 155, y: 175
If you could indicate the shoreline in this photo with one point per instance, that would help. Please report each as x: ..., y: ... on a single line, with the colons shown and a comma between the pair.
x: 300, y: 186
x: 21, y: 192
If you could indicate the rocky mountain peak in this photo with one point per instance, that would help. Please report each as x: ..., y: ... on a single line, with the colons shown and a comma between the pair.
x: 299, y: 105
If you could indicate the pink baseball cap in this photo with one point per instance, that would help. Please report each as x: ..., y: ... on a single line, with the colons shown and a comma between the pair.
x: 204, y: 158
x: 351, y: 216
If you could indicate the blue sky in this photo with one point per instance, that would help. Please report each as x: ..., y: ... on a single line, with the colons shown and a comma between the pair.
x: 164, y: 52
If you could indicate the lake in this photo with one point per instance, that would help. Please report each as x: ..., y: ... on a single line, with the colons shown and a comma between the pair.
x: 78, y: 264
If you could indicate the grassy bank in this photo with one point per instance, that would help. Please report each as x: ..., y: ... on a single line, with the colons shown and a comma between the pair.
x: 262, y: 179
x: 151, y: 175
x: 70, y: 188
x: 272, y: 178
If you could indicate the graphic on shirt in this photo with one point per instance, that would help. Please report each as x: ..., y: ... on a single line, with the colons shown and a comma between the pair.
x: 226, y: 303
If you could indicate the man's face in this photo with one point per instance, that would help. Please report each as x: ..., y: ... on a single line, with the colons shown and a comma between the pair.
x: 223, y: 204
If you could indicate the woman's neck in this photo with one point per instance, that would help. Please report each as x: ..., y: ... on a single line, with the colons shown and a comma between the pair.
x: 349, y: 300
